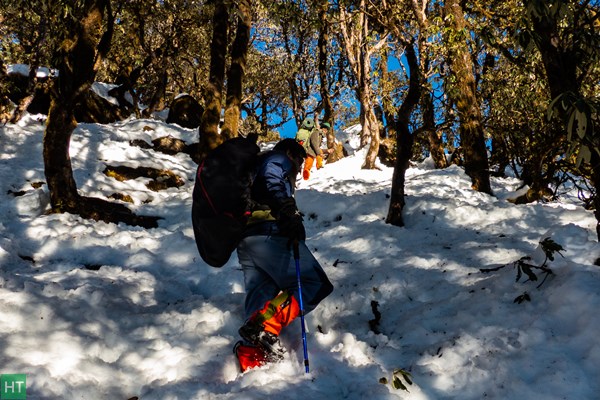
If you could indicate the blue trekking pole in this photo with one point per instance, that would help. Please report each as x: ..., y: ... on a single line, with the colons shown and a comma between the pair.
x: 297, y: 259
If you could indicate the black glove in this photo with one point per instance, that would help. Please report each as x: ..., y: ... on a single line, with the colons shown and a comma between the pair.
x: 290, y: 221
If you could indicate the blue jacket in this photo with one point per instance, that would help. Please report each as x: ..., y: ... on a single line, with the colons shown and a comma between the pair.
x: 274, y: 183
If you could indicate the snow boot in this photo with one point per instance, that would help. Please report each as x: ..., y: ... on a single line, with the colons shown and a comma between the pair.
x: 263, y: 327
x: 249, y: 356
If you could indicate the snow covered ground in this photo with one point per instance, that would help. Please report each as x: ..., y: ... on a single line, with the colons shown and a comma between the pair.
x: 91, y: 310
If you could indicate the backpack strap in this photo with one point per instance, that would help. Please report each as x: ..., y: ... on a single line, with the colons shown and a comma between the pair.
x: 204, y: 192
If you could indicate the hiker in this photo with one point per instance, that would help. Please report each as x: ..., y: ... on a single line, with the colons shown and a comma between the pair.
x: 304, y: 133
x: 266, y: 256
x: 311, y: 139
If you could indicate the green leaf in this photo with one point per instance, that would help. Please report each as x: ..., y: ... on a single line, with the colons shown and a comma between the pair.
x: 581, y: 118
x: 552, y: 106
x: 521, y: 298
x: 570, y: 126
x: 519, y: 273
x: 584, y: 155
x: 397, y: 384
x: 549, y: 247
x: 527, y: 270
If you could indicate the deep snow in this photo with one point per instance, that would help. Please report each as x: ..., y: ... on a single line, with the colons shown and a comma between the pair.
x: 91, y: 310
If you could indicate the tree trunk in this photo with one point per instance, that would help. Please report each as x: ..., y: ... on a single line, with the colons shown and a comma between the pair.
x: 561, y: 59
x: 560, y: 63
x: 80, y: 57
x: 263, y: 115
x: 57, y: 162
x: 499, y: 156
x: 235, y: 78
x: 372, y: 126
x: 209, y: 124
x: 436, y: 146
x: 76, y: 75
x: 355, y: 33
x: 157, y: 101
x: 465, y: 97
x: 387, y: 107
x: 387, y: 104
x: 404, y: 139
x: 323, y: 69
x: 4, y: 100
x: 31, y: 85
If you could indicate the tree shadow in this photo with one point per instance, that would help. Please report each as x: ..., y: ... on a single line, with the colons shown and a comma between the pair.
x: 114, y: 311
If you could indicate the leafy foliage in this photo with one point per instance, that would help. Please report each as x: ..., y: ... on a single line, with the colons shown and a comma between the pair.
x: 400, y: 378
x: 581, y: 115
x: 537, y: 127
x: 525, y: 267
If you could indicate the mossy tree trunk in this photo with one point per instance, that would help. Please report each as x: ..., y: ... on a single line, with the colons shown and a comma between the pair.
x: 354, y: 29
x: 436, y: 146
x: 209, y: 124
x: 235, y: 77
x: 86, y: 41
x: 464, y: 96
x: 323, y: 56
x: 79, y: 53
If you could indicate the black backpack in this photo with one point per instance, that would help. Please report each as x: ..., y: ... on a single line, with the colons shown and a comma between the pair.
x: 221, y: 198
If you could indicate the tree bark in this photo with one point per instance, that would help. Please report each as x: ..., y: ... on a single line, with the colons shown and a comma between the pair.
x: 81, y: 53
x: 76, y: 75
x: 323, y: 71
x: 436, y: 146
x: 4, y: 100
x: 465, y: 97
x: 387, y: 104
x: 57, y: 162
x: 404, y: 139
x: 209, y: 124
x: 560, y: 63
x: 31, y: 85
x: 235, y: 78
x: 355, y: 33
x: 157, y: 102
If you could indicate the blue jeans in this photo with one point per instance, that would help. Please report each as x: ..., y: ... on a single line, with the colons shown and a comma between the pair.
x: 269, y: 267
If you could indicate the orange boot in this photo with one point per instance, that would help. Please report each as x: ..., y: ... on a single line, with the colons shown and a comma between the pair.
x: 263, y: 327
